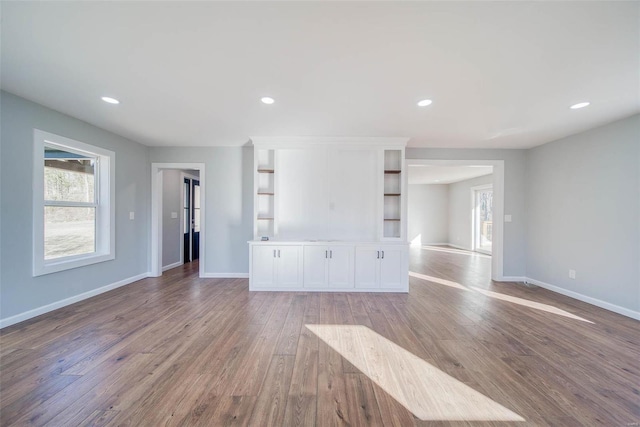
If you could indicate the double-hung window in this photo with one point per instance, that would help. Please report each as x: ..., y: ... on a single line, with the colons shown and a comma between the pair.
x: 73, y: 216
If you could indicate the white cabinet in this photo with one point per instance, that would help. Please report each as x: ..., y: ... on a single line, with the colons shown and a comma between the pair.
x: 381, y: 267
x: 339, y: 266
x: 275, y: 266
x: 328, y: 267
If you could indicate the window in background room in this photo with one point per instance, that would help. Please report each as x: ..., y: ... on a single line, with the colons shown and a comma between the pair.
x: 482, y: 219
x: 73, y: 212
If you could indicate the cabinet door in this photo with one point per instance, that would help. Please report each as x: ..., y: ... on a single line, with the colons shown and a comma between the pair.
x: 391, y: 267
x: 315, y: 266
x: 289, y: 260
x: 263, y: 266
x: 341, y: 267
x: 367, y: 265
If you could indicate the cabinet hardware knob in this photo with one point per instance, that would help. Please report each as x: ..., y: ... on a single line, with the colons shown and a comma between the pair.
x: 325, y: 254
x: 382, y: 254
x: 330, y: 254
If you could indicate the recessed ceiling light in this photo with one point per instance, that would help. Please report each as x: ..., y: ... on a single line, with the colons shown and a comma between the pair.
x: 110, y: 100
x: 267, y: 100
x: 579, y: 105
x: 424, y: 103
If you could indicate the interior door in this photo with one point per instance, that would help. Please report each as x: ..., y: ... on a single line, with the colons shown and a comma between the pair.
x: 191, y: 225
x: 195, y: 216
x: 186, y: 225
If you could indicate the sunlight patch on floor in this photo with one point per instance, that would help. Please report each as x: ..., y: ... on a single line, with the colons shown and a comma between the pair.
x: 454, y: 251
x: 502, y: 297
x: 527, y: 303
x: 440, y: 281
x: 423, y: 389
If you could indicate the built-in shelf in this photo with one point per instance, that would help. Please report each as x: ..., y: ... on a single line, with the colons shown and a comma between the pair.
x: 393, y: 194
x: 264, y: 194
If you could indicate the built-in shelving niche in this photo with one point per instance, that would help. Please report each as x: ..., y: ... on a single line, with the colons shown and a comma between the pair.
x: 265, y: 193
x: 392, y: 212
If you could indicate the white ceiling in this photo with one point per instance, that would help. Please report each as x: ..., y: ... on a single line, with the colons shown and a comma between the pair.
x: 500, y: 74
x: 425, y: 174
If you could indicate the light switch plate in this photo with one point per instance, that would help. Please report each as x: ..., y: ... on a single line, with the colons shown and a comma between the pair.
x: 174, y: 214
x: 507, y: 218
x: 132, y: 215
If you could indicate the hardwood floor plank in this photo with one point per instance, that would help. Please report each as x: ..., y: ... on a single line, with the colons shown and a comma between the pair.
x: 96, y: 419
x: 301, y: 410
x: 270, y: 406
x: 361, y: 401
x: 30, y: 399
x: 288, y: 339
x: 332, y: 402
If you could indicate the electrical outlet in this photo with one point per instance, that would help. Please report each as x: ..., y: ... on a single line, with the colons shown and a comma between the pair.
x: 572, y: 274
x: 174, y: 214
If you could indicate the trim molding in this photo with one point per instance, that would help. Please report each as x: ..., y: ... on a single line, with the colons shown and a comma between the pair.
x: 459, y: 247
x: 512, y: 279
x: 68, y: 301
x: 170, y: 266
x: 584, y: 298
x: 224, y: 275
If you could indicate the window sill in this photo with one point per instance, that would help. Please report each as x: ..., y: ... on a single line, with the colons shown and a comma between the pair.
x: 70, y: 263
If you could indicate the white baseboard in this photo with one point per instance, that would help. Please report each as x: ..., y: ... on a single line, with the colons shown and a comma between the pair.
x: 170, y: 266
x: 584, y: 298
x: 510, y: 279
x: 68, y: 301
x: 224, y: 275
x: 458, y: 247
x: 436, y: 244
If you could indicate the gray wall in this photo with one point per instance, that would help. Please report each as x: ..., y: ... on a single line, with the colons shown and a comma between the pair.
x: 428, y: 213
x: 171, y: 227
x: 228, y: 202
x: 583, y: 209
x: 22, y: 292
x: 514, y: 196
x: 460, y: 210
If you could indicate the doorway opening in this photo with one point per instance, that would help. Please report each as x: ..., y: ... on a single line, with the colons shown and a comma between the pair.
x: 442, y: 216
x: 187, y: 239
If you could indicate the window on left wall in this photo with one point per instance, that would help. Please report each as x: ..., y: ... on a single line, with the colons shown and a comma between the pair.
x: 73, y: 204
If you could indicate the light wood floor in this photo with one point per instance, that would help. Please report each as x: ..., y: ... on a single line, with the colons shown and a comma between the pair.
x: 179, y: 350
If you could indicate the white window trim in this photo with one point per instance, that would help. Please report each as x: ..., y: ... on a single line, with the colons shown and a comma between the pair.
x: 105, y: 211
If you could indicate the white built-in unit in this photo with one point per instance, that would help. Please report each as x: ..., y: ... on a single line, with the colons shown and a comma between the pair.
x: 329, y: 214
